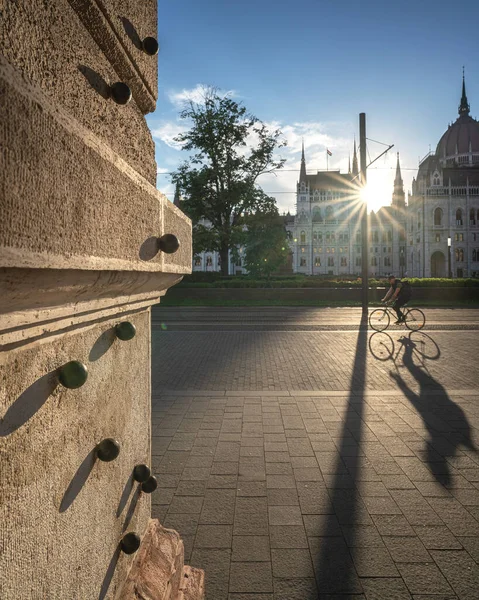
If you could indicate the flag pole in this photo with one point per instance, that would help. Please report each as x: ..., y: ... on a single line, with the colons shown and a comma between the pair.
x: 327, y: 160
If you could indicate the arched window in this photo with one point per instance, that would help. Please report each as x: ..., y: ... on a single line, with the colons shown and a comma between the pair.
x: 376, y: 237
x: 333, y: 238
x: 438, y: 216
x: 459, y: 217
x: 317, y: 214
x: 329, y: 212
x: 374, y: 261
x: 302, y: 237
x: 303, y: 186
x: 328, y: 237
x: 461, y: 255
x: 472, y: 216
x: 474, y: 255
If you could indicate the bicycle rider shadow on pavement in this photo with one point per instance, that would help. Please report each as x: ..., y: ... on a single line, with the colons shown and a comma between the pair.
x: 445, y: 421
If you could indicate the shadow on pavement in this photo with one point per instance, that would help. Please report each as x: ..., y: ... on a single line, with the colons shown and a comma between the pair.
x: 332, y: 555
x: 444, y: 420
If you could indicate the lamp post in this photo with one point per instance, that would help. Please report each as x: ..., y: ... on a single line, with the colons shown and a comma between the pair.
x: 449, y: 242
x: 401, y: 260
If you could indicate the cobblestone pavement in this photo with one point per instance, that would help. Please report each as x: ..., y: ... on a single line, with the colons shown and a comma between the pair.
x: 324, y: 464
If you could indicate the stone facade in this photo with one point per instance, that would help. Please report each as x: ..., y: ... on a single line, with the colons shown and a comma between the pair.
x: 443, y: 209
x: 82, y: 251
x: 325, y: 233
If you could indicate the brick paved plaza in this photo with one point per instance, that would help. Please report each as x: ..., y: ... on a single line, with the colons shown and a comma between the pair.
x: 302, y: 456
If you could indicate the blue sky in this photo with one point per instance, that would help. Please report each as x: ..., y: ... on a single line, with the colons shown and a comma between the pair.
x: 311, y: 66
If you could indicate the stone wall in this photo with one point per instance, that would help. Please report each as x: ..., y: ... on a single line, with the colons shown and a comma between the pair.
x: 81, y: 251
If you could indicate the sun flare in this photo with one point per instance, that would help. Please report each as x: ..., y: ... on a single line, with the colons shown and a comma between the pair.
x: 377, y: 192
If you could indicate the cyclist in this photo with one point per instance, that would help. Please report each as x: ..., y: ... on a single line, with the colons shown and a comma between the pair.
x: 399, y: 294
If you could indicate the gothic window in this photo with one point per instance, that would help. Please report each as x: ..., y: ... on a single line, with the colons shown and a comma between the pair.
x: 419, y: 219
x: 331, y: 261
x: 317, y: 214
x: 303, y: 186
x: 328, y: 237
x: 376, y: 237
x: 461, y: 255
x: 333, y: 238
x: 344, y: 262
x: 320, y: 237
x: 472, y: 216
x: 346, y: 237
x: 302, y: 237
x: 315, y: 236
x: 289, y: 234
x: 374, y: 261
x: 209, y: 261
x: 384, y: 237
x: 474, y: 255
x: 459, y: 217
x: 390, y: 236
x: 302, y: 262
x: 197, y: 261
x: 358, y: 237
x: 329, y: 212
x: 438, y: 216
x: 317, y: 261
x: 436, y: 180
x: 387, y: 261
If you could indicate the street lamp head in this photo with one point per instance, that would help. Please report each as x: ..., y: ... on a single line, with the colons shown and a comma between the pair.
x: 449, y: 242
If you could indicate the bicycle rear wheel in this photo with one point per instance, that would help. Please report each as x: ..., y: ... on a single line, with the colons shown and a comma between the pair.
x: 414, y: 319
x: 379, y: 319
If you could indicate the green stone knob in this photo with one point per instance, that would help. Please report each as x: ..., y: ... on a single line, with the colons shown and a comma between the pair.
x: 73, y: 374
x: 149, y: 485
x: 120, y: 93
x: 141, y: 473
x: 130, y: 543
x: 108, y: 449
x: 169, y: 243
x: 125, y: 331
x: 150, y: 46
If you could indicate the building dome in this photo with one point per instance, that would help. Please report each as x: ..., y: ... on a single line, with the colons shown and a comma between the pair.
x: 461, y: 140
x: 461, y: 137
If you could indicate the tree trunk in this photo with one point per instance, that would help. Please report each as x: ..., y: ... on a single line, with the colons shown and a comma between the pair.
x: 224, y: 260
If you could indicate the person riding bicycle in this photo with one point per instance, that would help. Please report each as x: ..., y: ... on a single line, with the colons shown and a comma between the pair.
x: 399, y: 294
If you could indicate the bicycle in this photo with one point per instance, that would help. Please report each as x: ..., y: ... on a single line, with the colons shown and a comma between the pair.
x: 380, y: 318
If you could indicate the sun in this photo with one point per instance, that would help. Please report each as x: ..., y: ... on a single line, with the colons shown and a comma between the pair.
x: 377, y: 192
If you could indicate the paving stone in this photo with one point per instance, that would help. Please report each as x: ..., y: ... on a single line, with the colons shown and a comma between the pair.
x: 186, y: 504
x: 191, y: 488
x: 362, y: 535
x: 385, y: 589
x: 460, y: 570
x: 295, y: 589
x: 216, y: 564
x: 250, y: 577
x: 285, y: 515
x: 407, y: 549
x: 282, y: 497
x: 437, y: 537
x: 289, y: 563
x: 288, y: 536
x: 213, y: 536
x: 279, y: 469
x: 393, y: 525
x: 185, y: 524
x: 424, y: 578
x: 308, y: 474
x: 224, y: 468
x: 250, y: 488
x: 322, y: 525
x: 381, y: 505
x: 251, y: 516
x: 471, y: 544
x: 251, y: 548
x: 374, y: 561
x: 280, y: 481
x: 218, y: 507
x: 334, y: 569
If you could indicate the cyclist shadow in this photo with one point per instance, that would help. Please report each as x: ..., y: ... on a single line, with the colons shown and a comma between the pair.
x: 445, y: 421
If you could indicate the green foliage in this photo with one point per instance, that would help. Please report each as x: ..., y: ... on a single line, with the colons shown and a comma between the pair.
x: 266, y: 243
x: 231, y: 149
x: 214, y: 280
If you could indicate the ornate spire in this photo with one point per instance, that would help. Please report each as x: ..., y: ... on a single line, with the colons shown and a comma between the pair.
x: 398, y: 200
x: 302, y: 172
x: 349, y: 164
x: 177, y: 199
x: 464, y: 106
x: 355, y: 160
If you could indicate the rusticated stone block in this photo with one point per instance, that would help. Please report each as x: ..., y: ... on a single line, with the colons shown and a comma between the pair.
x: 157, y: 573
x: 193, y: 584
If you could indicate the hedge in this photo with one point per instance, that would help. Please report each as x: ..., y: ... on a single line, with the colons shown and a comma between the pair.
x: 314, y: 282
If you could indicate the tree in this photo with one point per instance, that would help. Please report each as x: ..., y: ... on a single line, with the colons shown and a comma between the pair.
x: 266, y: 243
x: 231, y: 149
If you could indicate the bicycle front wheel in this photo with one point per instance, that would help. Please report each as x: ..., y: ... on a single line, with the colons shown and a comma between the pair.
x: 414, y: 319
x: 379, y: 319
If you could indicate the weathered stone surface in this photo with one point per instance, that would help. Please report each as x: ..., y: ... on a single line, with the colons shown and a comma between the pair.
x: 157, y: 572
x: 193, y: 584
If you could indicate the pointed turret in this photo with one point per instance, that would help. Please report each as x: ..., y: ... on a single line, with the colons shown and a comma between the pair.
x: 177, y: 199
x: 398, y: 200
x: 355, y: 160
x: 349, y: 165
x: 464, y: 107
x: 302, y: 172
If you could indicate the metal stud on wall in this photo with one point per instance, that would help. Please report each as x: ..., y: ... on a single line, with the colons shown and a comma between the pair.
x: 73, y: 374
x: 120, y: 93
x: 150, y: 46
x: 130, y: 543
x: 169, y: 243
x: 150, y: 485
x: 108, y: 449
x: 125, y: 331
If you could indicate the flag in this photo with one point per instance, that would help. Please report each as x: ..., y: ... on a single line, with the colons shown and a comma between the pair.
x: 329, y: 152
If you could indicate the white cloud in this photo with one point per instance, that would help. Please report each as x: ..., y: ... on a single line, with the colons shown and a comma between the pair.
x: 195, y: 94
x: 167, y: 131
